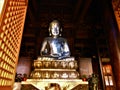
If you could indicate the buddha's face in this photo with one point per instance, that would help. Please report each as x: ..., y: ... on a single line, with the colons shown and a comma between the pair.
x: 55, y: 29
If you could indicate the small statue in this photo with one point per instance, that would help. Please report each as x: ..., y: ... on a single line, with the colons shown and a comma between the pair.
x: 93, y: 82
x: 55, y: 46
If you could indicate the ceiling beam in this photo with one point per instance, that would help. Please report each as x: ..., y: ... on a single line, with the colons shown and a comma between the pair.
x: 85, y: 9
x: 35, y: 5
x: 77, y: 8
x: 45, y: 25
x: 31, y: 14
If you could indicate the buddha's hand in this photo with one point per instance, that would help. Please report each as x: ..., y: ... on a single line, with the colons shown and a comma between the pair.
x: 54, y: 55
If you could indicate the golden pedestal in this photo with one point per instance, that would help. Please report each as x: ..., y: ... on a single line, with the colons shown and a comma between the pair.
x: 49, y: 68
x: 65, y: 84
x: 49, y: 72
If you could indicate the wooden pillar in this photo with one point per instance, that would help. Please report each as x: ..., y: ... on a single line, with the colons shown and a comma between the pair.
x: 115, y: 58
x: 113, y: 37
x: 113, y: 33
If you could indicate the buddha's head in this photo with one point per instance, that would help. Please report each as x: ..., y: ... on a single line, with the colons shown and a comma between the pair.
x: 55, y: 28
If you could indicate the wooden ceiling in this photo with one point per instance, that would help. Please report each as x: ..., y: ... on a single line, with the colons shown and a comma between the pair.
x: 82, y: 22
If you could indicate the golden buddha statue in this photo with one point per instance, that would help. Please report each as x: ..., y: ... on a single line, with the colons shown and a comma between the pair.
x: 55, y: 69
x: 55, y: 61
x: 55, y: 46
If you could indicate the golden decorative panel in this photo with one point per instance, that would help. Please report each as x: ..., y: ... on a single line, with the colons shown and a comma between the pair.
x: 116, y: 8
x: 11, y: 30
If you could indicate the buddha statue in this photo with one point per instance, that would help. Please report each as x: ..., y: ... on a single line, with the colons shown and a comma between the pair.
x: 55, y: 46
x: 55, y: 61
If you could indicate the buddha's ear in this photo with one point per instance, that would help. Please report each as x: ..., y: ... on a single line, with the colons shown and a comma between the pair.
x: 49, y: 29
x: 60, y: 32
x: 61, y: 29
x: 60, y: 35
x: 49, y: 32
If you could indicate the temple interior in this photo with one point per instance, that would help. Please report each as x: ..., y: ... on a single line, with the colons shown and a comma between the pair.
x: 92, y: 29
